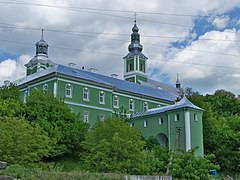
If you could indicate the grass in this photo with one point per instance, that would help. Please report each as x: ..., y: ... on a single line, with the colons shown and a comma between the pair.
x: 38, y: 174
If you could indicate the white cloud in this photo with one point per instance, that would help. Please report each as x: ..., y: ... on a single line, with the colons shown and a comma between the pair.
x: 220, y: 22
x: 208, y: 78
x: 13, y: 69
x: 61, y: 19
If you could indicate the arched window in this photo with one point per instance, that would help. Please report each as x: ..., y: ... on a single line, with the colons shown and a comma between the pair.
x: 115, y: 101
x: 68, y: 90
x: 45, y: 87
x: 101, y: 97
x: 131, y: 105
x: 85, y: 94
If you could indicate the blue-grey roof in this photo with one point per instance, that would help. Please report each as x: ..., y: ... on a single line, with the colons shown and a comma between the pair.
x: 114, y: 83
x: 184, y: 103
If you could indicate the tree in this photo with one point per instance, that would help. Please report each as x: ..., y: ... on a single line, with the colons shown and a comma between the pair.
x: 21, y: 143
x: 186, y: 166
x: 114, y: 146
x: 10, y: 91
x: 65, y: 129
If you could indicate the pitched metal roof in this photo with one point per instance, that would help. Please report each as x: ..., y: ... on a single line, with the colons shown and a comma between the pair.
x: 115, y: 83
x: 184, y: 103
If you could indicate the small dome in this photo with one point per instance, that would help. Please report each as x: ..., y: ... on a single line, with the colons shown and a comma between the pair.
x: 135, y: 28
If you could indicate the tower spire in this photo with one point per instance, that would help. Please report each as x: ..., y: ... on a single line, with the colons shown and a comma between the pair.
x: 178, y: 84
x: 42, y: 33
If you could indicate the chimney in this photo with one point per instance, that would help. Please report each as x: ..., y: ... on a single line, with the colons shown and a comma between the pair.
x: 93, y: 70
x: 71, y: 65
x: 114, y: 75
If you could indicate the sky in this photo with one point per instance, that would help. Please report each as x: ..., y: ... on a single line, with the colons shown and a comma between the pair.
x: 199, y: 40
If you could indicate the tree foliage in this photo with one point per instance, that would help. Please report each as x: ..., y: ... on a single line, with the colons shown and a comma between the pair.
x: 186, y: 166
x: 21, y: 143
x: 113, y: 146
x: 65, y: 129
x: 10, y: 91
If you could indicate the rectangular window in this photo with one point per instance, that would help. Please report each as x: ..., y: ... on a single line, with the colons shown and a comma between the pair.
x: 177, y: 117
x: 145, y: 106
x: 68, y: 90
x: 145, y: 123
x: 132, y: 124
x: 160, y: 121
x: 85, y: 94
x: 131, y: 105
x: 86, y: 117
x: 195, y: 117
x: 115, y: 101
x: 101, y: 97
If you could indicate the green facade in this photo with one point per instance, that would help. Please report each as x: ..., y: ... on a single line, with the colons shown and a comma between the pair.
x: 179, y: 128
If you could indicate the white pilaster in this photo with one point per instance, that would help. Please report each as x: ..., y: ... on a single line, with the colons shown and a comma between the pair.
x: 187, y: 131
x: 169, y: 132
x: 55, y: 88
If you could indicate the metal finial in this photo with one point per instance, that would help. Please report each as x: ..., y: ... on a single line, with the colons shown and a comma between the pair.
x: 135, y: 17
x: 42, y: 33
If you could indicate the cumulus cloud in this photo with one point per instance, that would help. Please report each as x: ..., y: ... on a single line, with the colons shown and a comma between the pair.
x: 205, y: 71
x: 13, y: 69
x: 76, y: 31
x: 220, y: 22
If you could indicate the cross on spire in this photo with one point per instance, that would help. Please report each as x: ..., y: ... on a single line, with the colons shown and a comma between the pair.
x: 42, y: 33
x: 135, y: 17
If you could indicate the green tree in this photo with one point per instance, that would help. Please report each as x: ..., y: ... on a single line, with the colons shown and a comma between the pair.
x: 65, y: 129
x: 10, y: 91
x: 186, y: 166
x: 114, y: 146
x: 21, y: 143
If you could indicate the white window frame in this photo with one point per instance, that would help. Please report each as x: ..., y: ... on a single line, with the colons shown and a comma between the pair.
x: 195, y: 116
x: 177, y: 117
x: 132, y: 124
x: 45, y: 87
x: 101, y: 117
x: 145, y: 106
x: 68, y: 90
x: 85, y: 93
x: 131, y: 104
x: 101, y: 97
x: 160, y: 121
x: 86, y: 116
x: 116, y: 101
x: 145, y: 123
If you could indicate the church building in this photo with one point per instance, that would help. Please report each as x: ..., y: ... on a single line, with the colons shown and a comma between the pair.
x: 155, y: 108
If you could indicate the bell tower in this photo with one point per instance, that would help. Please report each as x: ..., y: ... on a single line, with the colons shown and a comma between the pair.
x: 40, y: 61
x: 135, y: 63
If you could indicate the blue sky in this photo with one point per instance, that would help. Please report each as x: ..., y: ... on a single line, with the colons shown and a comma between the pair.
x: 197, y: 40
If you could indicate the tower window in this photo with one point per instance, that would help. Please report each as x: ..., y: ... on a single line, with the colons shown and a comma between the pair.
x: 131, y: 105
x: 160, y: 121
x: 145, y: 123
x: 101, y: 97
x: 85, y: 94
x: 145, y: 106
x: 130, y: 67
x: 177, y: 117
x: 68, y: 90
x: 116, y: 102
x: 142, y: 68
x: 195, y: 117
